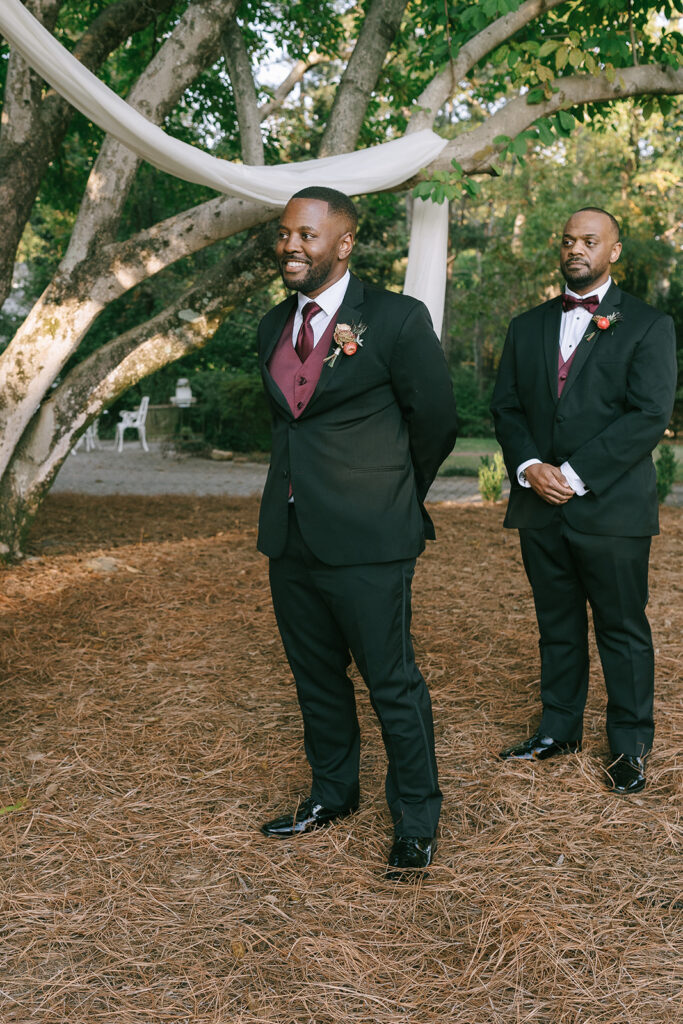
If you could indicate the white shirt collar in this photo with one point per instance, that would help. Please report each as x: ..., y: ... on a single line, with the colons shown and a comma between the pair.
x: 331, y: 299
x: 600, y: 292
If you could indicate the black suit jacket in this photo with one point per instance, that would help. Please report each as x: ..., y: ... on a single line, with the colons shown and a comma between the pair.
x: 615, y: 406
x: 365, y: 450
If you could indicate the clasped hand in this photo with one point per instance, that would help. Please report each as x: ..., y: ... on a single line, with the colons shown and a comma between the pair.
x: 549, y: 483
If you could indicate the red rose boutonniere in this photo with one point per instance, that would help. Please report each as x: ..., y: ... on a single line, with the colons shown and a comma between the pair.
x: 347, y: 339
x: 603, y: 322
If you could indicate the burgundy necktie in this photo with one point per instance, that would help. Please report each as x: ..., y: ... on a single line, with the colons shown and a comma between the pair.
x: 590, y: 302
x: 304, y: 341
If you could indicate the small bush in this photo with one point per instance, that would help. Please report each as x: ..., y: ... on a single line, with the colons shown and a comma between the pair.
x: 491, y: 476
x: 231, y: 411
x: 472, y: 403
x: 666, y: 471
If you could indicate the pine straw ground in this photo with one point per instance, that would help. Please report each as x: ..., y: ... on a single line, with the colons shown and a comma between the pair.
x: 149, y: 724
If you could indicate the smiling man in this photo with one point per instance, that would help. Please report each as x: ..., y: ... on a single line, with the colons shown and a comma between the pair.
x: 362, y: 416
x: 585, y: 390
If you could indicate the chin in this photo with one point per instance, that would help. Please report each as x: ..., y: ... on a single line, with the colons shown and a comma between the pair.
x: 578, y: 280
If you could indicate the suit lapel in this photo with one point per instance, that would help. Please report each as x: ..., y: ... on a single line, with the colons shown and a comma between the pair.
x: 551, y: 341
x: 609, y: 304
x: 281, y: 314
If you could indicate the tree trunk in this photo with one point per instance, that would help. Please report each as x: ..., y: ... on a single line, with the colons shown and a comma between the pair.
x: 185, y: 326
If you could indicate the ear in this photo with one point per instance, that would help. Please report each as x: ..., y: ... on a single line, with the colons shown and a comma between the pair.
x: 345, y: 246
x: 616, y: 252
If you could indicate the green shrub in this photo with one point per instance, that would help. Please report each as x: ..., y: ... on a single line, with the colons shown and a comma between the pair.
x: 666, y: 471
x: 231, y: 411
x: 491, y: 476
x: 474, y: 417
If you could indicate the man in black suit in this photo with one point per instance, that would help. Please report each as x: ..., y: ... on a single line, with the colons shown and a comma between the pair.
x: 363, y: 414
x: 584, y: 392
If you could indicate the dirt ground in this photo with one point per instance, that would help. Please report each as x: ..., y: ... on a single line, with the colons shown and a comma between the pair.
x: 149, y: 724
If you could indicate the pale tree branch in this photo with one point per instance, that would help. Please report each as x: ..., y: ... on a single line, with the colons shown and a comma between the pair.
x: 193, y: 45
x: 378, y: 31
x: 244, y: 92
x: 34, y: 124
x: 293, y: 78
x: 446, y: 82
x: 475, y: 151
x: 123, y: 265
x: 187, y: 324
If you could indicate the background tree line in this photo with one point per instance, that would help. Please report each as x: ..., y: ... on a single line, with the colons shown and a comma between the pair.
x: 548, y: 104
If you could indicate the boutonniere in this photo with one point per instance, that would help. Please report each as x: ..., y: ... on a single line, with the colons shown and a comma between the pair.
x: 347, y: 339
x: 603, y: 322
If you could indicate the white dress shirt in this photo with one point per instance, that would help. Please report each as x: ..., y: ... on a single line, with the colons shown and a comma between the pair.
x: 573, y: 326
x: 329, y: 301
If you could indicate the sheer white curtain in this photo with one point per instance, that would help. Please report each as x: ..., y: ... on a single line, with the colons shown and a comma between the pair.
x: 367, y: 170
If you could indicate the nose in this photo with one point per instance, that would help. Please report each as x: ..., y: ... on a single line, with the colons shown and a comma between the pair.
x: 291, y: 244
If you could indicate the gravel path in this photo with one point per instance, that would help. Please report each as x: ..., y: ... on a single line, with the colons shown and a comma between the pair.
x: 163, y: 471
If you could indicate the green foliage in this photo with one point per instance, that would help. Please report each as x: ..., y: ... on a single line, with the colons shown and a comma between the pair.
x: 231, y: 411
x: 665, y: 465
x: 491, y: 476
x: 474, y: 418
x: 504, y: 243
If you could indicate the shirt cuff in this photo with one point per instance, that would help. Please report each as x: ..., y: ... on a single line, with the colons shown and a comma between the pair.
x: 521, y: 479
x: 573, y: 479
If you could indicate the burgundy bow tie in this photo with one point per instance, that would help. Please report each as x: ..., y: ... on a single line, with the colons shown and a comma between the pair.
x: 590, y: 302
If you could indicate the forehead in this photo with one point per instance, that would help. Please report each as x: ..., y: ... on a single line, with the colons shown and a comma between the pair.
x: 589, y: 222
x: 307, y: 213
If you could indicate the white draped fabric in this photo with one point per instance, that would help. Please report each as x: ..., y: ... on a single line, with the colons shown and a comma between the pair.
x: 368, y: 170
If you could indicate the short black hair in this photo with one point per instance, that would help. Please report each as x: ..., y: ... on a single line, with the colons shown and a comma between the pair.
x: 337, y: 202
x: 598, y: 209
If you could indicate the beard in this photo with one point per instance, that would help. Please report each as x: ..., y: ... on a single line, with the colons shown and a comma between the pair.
x: 578, y: 274
x: 314, y: 278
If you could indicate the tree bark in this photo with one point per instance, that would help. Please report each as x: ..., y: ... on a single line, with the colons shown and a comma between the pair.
x: 182, y: 328
x: 34, y: 125
x: 447, y: 81
x: 476, y: 151
x: 362, y: 71
x: 244, y: 92
x: 193, y: 45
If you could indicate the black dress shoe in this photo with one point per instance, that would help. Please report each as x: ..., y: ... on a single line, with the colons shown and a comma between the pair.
x: 408, y: 855
x: 308, y: 816
x: 627, y: 774
x: 539, y: 747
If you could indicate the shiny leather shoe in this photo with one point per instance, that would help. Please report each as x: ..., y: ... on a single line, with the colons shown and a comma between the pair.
x: 409, y: 855
x: 308, y: 816
x: 627, y: 774
x: 538, y: 748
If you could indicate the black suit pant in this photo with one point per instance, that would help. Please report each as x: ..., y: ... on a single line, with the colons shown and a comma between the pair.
x: 325, y: 614
x: 566, y: 570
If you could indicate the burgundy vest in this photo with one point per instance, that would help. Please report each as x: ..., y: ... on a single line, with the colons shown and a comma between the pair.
x: 296, y: 380
x: 563, y: 369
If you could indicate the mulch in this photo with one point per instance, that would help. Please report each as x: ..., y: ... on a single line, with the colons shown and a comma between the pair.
x: 149, y: 724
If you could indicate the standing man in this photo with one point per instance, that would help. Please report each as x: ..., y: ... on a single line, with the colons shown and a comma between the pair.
x: 585, y: 390
x: 362, y: 416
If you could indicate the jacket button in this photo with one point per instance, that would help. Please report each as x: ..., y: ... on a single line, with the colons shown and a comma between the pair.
x: 292, y: 426
x: 560, y: 419
x: 285, y: 474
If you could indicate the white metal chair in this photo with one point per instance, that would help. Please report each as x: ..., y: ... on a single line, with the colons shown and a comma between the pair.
x: 133, y: 419
x: 89, y: 437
